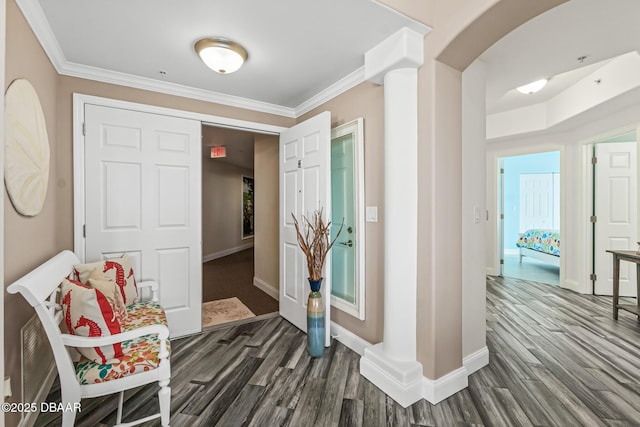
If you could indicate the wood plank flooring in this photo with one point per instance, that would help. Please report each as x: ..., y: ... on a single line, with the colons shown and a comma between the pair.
x: 556, y: 359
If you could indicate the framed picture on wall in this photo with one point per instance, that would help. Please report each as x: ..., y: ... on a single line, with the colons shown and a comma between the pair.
x: 247, y: 207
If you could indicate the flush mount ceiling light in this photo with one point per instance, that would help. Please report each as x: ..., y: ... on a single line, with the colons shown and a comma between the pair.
x: 221, y: 55
x: 532, y: 87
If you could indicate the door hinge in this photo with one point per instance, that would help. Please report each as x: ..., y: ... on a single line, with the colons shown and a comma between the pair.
x: 299, y: 164
x: 502, y: 262
x: 84, y: 129
x: 84, y: 230
x: 501, y: 216
x: 593, y: 219
x: 501, y: 170
x: 593, y: 277
x: 594, y: 160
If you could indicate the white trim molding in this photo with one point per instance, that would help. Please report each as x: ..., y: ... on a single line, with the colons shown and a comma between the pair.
x: 434, y: 391
x: 410, y: 388
x: 266, y: 288
x: 229, y: 251
x: 349, y: 339
x: 476, y: 360
x: 400, y: 380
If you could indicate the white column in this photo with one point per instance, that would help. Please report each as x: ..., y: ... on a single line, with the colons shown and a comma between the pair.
x: 400, y: 212
x: 391, y: 365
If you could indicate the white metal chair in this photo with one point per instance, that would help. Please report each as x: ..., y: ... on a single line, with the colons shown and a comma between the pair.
x: 40, y: 288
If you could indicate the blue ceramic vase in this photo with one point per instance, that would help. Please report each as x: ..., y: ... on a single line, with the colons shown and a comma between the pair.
x: 315, y: 320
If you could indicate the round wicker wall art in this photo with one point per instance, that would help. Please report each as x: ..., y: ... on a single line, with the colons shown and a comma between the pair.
x: 26, y: 161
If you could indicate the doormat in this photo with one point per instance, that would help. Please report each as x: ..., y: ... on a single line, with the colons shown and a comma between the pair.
x: 224, y: 310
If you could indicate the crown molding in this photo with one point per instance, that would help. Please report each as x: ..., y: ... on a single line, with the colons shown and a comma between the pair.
x: 37, y: 20
x: 344, y: 84
x: 123, y: 79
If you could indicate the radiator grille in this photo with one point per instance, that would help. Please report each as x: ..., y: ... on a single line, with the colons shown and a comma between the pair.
x: 37, y: 361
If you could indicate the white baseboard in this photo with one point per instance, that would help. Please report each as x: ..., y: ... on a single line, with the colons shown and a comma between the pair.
x: 476, y: 360
x: 434, y: 391
x: 266, y: 288
x: 574, y: 286
x: 226, y: 252
x: 404, y: 382
x: 349, y: 339
x: 491, y: 272
x: 400, y: 380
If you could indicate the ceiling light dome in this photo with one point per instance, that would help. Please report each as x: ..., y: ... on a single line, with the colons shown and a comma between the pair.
x: 221, y: 55
x: 532, y: 87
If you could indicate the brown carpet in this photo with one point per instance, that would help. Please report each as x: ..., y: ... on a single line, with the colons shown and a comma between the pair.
x: 223, y: 311
x: 232, y: 276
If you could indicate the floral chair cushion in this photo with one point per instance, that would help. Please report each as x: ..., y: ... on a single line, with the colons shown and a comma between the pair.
x: 139, y: 355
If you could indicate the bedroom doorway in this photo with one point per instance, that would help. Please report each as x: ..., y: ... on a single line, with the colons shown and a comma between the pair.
x: 529, y: 231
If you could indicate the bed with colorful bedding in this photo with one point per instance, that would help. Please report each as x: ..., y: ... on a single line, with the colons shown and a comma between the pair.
x: 543, y: 245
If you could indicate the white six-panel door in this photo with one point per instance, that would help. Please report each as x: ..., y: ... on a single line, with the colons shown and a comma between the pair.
x: 143, y: 198
x: 616, y: 212
x: 305, y: 185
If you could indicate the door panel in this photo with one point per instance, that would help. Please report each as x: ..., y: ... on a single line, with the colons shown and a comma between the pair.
x: 616, y: 211
x: 143, y: 198
x: 536, y: 201
x: 304, y: 187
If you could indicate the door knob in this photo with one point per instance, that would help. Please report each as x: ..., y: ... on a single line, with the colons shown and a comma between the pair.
x: 349, y: 243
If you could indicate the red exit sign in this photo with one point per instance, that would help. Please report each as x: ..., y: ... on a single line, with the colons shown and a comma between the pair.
x: 217, y: 152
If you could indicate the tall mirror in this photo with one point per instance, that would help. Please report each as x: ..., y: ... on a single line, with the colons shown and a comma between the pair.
x: 347, y: 202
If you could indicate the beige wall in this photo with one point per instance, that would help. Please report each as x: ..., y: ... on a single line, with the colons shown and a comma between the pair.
x: 222, y: 207
x: 366, y: 100
x: 266, y: 249
x: 27, y: 241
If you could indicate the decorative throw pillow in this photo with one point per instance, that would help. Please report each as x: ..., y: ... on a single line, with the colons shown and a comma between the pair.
x: 88, y: 313
x: 117, y: 269
x: 97, y: 280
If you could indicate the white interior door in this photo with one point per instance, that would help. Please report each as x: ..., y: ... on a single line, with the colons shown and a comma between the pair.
x: 143, y: 198
x: 536, y: 201
x: 305, y: 185
x: 616, y: 212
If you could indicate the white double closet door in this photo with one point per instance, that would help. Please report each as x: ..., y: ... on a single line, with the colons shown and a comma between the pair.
x: 143, y: 198
x: 142, y: 179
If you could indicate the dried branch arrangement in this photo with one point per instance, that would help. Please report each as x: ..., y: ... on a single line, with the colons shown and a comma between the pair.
x: 315, y: 242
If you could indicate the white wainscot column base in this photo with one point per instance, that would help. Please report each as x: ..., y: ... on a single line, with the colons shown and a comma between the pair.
x: 402, y: 381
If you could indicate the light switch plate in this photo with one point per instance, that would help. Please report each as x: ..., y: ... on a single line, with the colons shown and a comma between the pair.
x: 372, y: 214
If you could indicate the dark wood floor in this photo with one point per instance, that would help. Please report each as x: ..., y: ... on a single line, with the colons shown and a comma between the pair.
x: 232, y: 276
x: 557, y: 359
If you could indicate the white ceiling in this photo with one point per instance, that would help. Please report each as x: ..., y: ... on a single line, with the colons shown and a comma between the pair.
x: 239, y: 144
x: 303, y: 52
x: 549, y: 46
x: 297, y: 48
